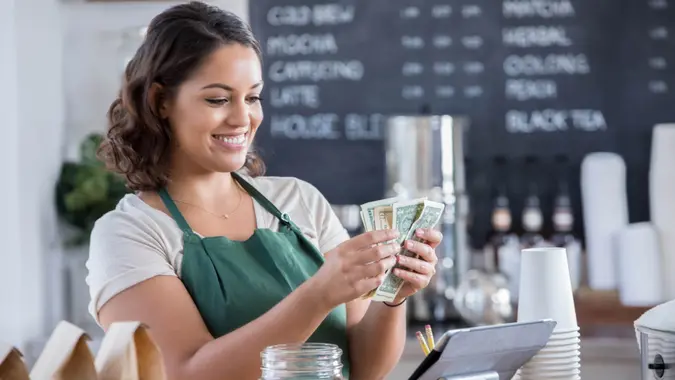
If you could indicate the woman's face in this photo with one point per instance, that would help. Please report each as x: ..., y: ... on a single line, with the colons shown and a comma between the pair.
x: 216, y: 112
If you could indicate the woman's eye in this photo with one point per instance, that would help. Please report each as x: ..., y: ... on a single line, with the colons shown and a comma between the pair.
x: 253, y: 99
x: 217, y: 101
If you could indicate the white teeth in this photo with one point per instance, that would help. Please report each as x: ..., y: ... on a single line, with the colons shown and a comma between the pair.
x: 238, y: 140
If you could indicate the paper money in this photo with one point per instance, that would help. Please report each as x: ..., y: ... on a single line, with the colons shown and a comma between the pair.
x: 382, y: 220
x: 407, y: 217
x: 363, y: 220
x: 383, y: 217
x: 368, y: 211
x: 404, y: 214
x: 377, y: 216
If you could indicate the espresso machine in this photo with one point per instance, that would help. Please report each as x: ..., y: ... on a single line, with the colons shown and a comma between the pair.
x: 425, y: 158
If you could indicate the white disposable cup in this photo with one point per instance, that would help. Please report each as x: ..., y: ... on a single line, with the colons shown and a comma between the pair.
x: 552, y: 376
x: 564, y: 335
x: 567, y: 347
x: 568, y: 362
x: 551, y: 370
x: 566, y: 331
x: 545, y: 288
x: 548, y: 368
x: 558, y: 376
x: 552, y: 356
x: 546, y: 377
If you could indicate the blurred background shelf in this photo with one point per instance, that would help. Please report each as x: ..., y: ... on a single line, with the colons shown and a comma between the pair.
x: 596, y: 309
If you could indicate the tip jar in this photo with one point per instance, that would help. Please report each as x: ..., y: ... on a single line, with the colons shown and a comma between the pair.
x: 302, y: 362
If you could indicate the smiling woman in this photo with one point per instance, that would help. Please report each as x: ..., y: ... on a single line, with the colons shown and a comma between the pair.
x: 218, y: 260
x: 187, y: 89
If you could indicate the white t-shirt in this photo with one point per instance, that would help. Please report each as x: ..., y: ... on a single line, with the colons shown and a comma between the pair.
x: 136, y: 242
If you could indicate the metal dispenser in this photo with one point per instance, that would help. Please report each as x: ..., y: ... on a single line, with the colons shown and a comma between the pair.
x: 425, y: 158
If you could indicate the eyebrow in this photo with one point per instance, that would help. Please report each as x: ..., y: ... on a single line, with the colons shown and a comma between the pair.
x: 228, y: 88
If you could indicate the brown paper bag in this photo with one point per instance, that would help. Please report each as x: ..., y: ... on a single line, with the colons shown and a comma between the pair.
x: 12, y: 366
x: 129, y: 353
x: 66, y: 356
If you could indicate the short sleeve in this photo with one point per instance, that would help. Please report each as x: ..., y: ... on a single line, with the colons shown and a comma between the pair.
x: 124, y: 250
x: 329, y: 229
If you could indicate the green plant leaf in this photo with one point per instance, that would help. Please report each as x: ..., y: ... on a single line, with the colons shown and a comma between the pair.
x: 88, y: 149
x: 85, y: 191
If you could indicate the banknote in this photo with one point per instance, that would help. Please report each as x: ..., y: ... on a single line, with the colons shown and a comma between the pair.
x: 407, y: 217
x: 363, y: 220
x: 383, y: 217
x: 378, y: 215
x: 404, y: 214
x: 382, y: 221
x: 407, y: 212
x: 368, y: 211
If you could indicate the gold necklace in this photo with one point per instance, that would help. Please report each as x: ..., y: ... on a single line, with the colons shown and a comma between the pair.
x: 223, y: 216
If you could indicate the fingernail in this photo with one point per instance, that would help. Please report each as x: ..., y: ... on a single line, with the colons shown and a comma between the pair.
x: 409, y: 244
x: 398, y: 259
x: 420, y: 232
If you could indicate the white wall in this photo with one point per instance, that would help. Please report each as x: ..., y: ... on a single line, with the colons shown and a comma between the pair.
x: 10, y: 320
x: 93, y: 57
x: 58, y: 73
x: 31, y: 101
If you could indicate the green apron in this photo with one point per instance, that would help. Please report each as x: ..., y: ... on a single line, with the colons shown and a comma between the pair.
x: 232, y: 282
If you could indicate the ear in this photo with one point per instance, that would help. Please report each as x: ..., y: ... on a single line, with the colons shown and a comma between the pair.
x: 157, y: 100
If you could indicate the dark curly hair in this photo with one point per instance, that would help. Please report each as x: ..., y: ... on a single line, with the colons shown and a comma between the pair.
x: 178, y: 40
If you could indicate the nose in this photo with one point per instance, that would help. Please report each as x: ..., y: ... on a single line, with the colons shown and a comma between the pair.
x: 239, y: 115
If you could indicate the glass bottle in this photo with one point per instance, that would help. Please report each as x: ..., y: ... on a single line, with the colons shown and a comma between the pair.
x: 501, y: 229
x: 302, y: 362
x: 563, y: 224
x: 532, y: 217
x: 500, y: 218
x: 532, y: 220
x: 563, y: 218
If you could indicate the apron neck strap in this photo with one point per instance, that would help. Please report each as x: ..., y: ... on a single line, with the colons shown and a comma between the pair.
x: 174, y: 211
x: 261, y: 199
x: 252, y: 191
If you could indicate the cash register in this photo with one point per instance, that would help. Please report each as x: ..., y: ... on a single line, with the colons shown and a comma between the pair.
x: 484, y: 353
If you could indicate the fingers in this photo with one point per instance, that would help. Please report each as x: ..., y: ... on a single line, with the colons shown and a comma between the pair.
x: 375, y: 253
x: 424, y: 250
x: 431, y: 236
x: 416, y: 280
x: 377, y: 268
x: 368, y: 239
x: 367, y: 284
x: 416, y: 265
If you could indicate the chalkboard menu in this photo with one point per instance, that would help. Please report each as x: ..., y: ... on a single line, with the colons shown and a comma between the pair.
x: 535, y: 78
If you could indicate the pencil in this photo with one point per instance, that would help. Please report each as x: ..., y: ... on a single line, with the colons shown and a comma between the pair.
x: 430, y: 337
x: 423, y: 344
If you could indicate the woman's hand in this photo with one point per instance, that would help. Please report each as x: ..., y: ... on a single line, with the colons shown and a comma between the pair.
x: 417, y: 272
x: 356, y: 266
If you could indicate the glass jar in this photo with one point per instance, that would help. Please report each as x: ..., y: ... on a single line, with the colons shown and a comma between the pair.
x: 302, y: 362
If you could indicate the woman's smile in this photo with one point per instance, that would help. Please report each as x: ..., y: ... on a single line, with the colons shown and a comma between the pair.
x: 231, y: 142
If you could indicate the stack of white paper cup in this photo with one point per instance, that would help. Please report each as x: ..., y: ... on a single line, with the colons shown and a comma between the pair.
x: 546, y: 293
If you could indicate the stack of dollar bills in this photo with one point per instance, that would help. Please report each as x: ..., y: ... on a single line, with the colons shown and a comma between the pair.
x: 406, y: 216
